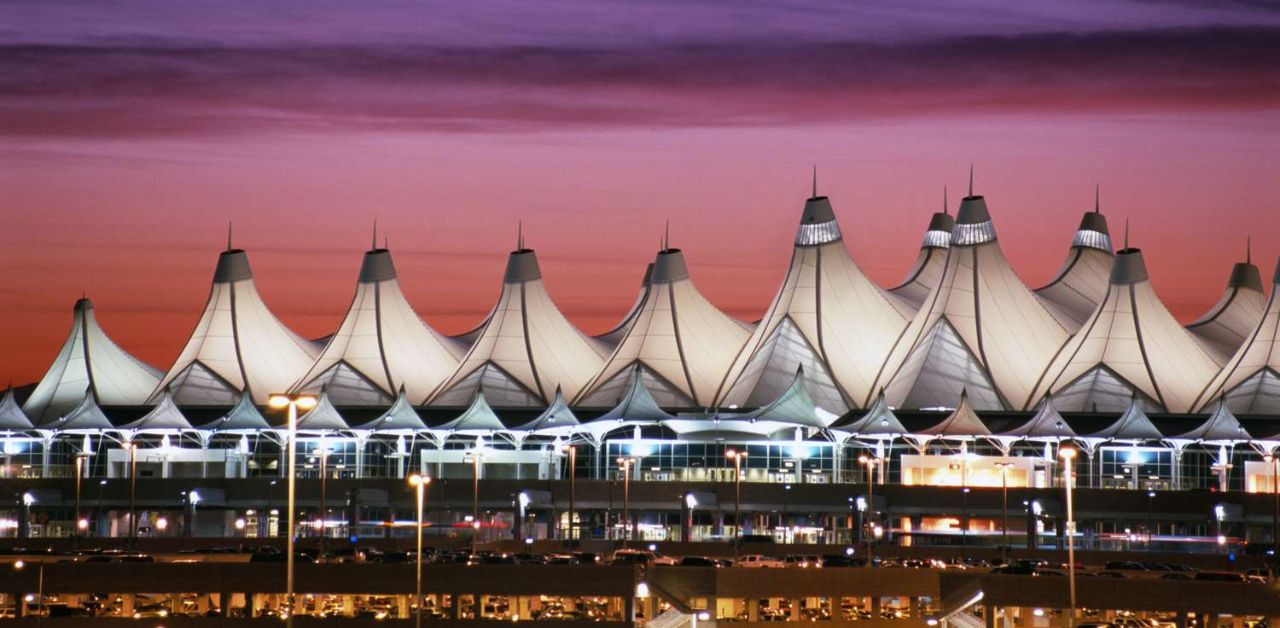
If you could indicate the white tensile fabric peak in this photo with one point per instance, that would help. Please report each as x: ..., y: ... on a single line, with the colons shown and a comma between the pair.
x: 926, y: 272
x: 324, y: 417
x: 619, y: 331
x: 980, y: 330
x: 11, y: 415
x: 962, y: 423
x: 381, y: 346
x: 400, y: 418
x: 879, y: 421
x: 89, y: 360
x: 1131, y: 345
x: 238, y: 344
x: 1222, y: 427
x: 524, y: 350
x: 794, y: 407
x: 1250, y: 382
x: 164, y: 418
x: 1046, y: 424
x: 636, y: 405
x: 556, y: 420
x: 1223, y: 329
x: 1081, y: 283
x: 86, y: 418
x: 243, y: 418
x: 1133, y: 425
x: 683, y: 342
x: 827, y: 318
x: 478, y: 419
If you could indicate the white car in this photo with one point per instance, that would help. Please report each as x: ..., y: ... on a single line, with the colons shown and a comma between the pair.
x: 758, y: 560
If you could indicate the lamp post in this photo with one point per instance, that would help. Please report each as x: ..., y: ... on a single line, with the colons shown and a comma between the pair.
x: 323, y: 454
x: 97, y: 514
x: 80, y: 525
x: 625, y: 464
x: 292, y: 403
x: 474, y: 459
x: 19, y: 565
x: 1274, y: 461
x: 1004, y: 507
x: 1068, y: 476
x: 1151, y: 498
x: 737, y: 457
x: 964, y: 523
x: 870, y: 463
x: 572, y: 453
x: 419, y: 483
x: 133, y: 493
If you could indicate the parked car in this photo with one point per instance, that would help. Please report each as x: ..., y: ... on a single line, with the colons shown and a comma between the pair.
x: 759, y: 560
x: 798, y: 560
x: 1221, y: 576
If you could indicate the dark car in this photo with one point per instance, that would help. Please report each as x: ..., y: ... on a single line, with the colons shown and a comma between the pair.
x: 697, y: 561
x: 1221, y: 576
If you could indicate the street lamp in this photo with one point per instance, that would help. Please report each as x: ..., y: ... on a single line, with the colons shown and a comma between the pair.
x: 625, y: 464
x: 572, y: 453
x: 737, y: 457
x: 97, y: 515
x: 293, y: 403
x: 419, y: 483
x: 1274, y: 462
x: 870, y: 462
x: 1004, y: 506
x: 1068, y: 477
x: 80, y: 524
x: 133, y: 493
x: 1151, y: 498
x: 19, y: 565
x: 474, y: 458
x: 323, y: 454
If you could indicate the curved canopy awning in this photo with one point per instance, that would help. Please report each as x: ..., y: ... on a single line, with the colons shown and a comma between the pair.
x: 1047, y: 424
x: 1221, y: 427
x: 243, y: 418
x: 323, y: 418
x: 478, y: 419
x: 11, y: 415
x: 400, y: 419
x: 86, y: 418
x: 1133, y: 425
x: 556, y: 420
x: 164, y: 418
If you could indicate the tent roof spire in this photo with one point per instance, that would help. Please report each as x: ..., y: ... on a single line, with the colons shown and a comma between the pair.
x: 970, y: 179
x: 815, y: 182
x: 229, y: 235
x: 666, y: 235
x: 373, y: 245
x: 945, y: 210
x: 519, y: 235
x: 1126, y: 234
x: 1248, y: 249
x: 1097, y: 199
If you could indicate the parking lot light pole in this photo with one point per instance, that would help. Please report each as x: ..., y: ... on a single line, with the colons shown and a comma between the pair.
x: 572, y: 453
x: 1004, y: 507
x: 1068, y: 477
x: 292, y: 403
x: 474, y: 459
x: 625, y: 463
x: 737, y: 457
x: 419, y: 483
x: 869, y: 529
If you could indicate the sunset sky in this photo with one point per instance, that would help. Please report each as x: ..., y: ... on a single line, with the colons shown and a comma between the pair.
x: 131, y: 133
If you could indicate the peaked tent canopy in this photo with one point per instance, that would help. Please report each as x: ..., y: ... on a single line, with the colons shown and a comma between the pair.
x: 827, y: 319
x: 1223, y: 329
x: 165, y: 417
x: 615, y: 335
x: 238, y: 344
x: 1046, y: 424
x: 89, y: 360
x: 682, y: 342
x: 1081, y: 282
x: 926, y: 272
x: 1221, y: 427
x: 243, y: 418
x: 878, y: 421
x: 1250, y: 382
x: 524, y: 350
x: 1131, y: 345
x: 381, y: 346
x: 86, y: 417
x: 636, y: 405
x: 322, y: 418
x: 794, y: 407
x: 980, y: 330
x: 478, y: 419
x: 963, y: 422
x: 400, y: 418
x: 11, y: 416
x: 557, y: 419
x: 1133, y: 425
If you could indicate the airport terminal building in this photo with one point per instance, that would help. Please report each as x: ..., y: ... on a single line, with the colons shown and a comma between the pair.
x: 920, y: 413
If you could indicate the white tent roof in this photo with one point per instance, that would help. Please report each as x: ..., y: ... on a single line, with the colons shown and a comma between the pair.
x: 381, y: 346
x: 11, y: 416
x: 238, y: 344
x: 478, y: 419
x: 165, y: 417
x: 89, y: 360
x: 926, y: 272
x: 1250, y: 382
x: 963, y: 422
x: 793, y: 406
x: 1134, y: 424
x: 878, y: 421
x: 1081, y: 282
x: 244, y: 417
x: 684, y: 343
x: 87, y: 416
x: 1223, y: 329
x: 557, y: 419
x: 322, y: 418
x: 1221, y: 427
x: 615, y: 335
x: 980, y: 330
x: 826, y: 318
x: 400, y: 418
x: 637, y: 404
x: 1047, y: 423
x: 1131, y: 344
x: 525, y: 349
